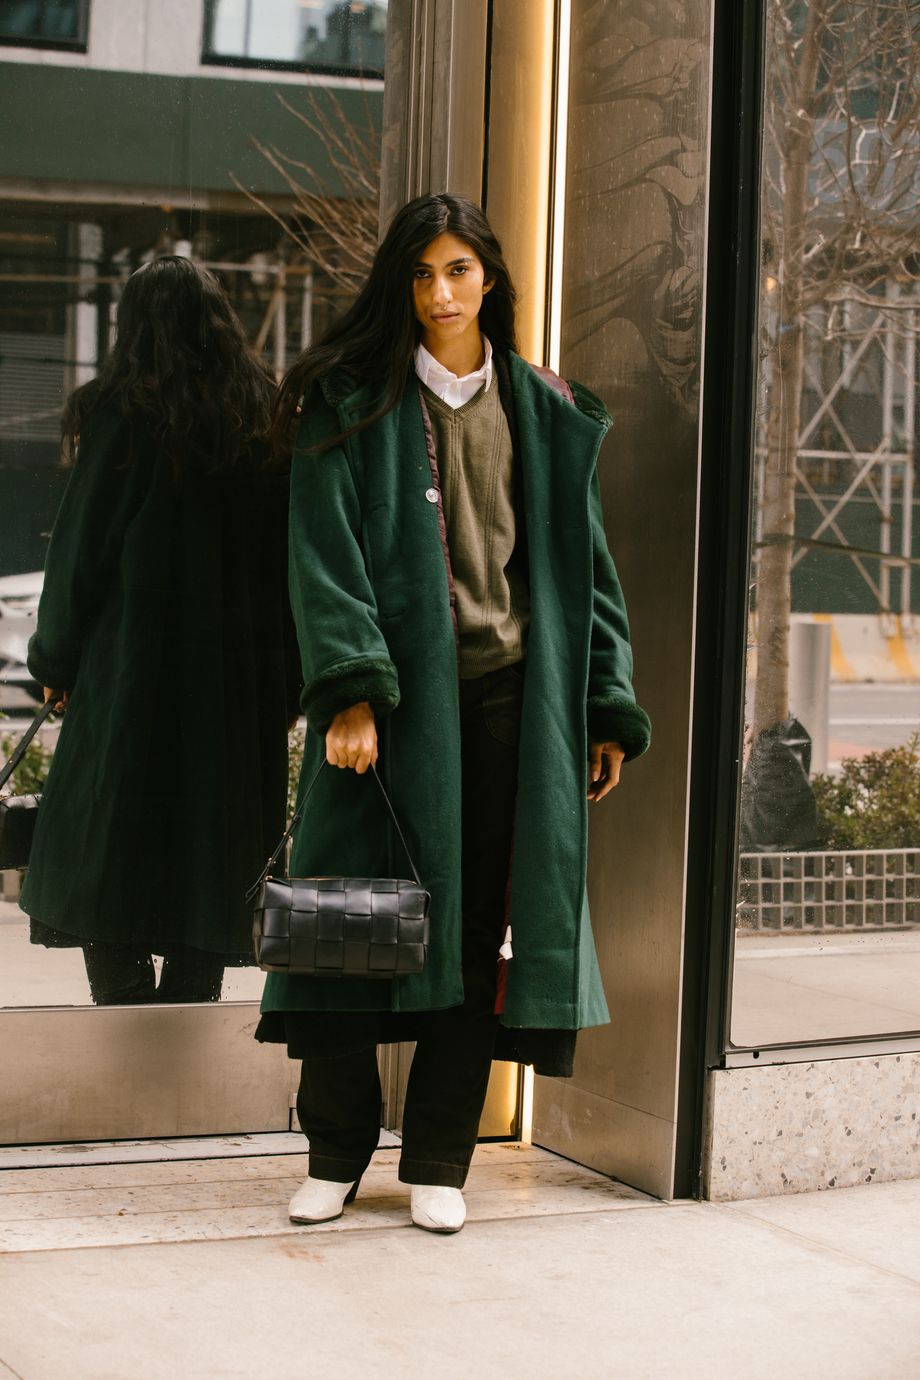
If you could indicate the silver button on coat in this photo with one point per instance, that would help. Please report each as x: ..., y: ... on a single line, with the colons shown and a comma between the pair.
x: 431, y: 495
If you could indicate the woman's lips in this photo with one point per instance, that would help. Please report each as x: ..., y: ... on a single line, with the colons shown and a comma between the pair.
x: 445, y: 316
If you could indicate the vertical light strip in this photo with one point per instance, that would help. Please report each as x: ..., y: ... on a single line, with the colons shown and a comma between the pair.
x: 527, y: 1106
x: 560, y: 148
x: 520, y: 173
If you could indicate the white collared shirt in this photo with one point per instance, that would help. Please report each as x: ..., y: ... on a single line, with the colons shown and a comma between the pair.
x: 448, y: 387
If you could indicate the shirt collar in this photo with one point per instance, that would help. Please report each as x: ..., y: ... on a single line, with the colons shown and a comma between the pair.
x: 430, y: 371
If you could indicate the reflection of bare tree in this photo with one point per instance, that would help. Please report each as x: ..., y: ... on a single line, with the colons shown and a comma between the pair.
x: 634, y: 203
x: 841, y: 223
x: 333, y: 222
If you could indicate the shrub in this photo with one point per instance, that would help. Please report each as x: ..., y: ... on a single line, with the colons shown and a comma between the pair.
x: 295, y: 762
x: 29, y: 776
x: 875, y: 802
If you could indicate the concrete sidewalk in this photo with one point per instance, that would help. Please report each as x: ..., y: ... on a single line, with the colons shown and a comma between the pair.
x: 558, y: 1273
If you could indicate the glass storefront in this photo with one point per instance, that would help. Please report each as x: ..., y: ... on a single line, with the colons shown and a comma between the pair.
x: 287, y: 247
x: 827, y: 939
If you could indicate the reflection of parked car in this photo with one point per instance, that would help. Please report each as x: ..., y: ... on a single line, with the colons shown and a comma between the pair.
x: 19, y: 596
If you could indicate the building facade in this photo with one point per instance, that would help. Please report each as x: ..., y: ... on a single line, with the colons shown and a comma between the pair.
x: 140, y: 128
x: 637, y: 162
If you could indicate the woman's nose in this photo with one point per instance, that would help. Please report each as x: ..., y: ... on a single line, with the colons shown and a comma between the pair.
x: 442, y: 293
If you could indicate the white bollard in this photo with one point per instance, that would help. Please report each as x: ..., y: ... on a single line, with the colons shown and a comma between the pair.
x: 809, y: 684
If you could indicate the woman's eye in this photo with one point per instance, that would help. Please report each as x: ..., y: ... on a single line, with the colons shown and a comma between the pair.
x: 458, y: 269
x: 421, y: 273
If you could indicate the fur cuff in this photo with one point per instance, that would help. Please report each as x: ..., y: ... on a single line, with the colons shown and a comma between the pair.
x: 45, y: 670
x: 616, y: 719
x: 348, y: 683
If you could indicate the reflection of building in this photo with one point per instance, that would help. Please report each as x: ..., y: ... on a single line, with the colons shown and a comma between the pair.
x: 136, y: 136
x: 355, y: 36
x: 336, y: 36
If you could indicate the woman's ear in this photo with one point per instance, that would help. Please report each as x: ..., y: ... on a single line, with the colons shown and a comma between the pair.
x: 487, y: 286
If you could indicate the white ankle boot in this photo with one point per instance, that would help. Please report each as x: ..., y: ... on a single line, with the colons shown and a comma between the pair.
x: 436, y: 1208
x: 320, y: 1200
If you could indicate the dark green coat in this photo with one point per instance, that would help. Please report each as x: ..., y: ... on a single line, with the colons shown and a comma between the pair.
x: 165, y: 612
x: 370, y: 590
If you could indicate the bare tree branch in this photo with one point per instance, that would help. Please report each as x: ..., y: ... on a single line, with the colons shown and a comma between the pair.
x: 332, y: 222
x: 841, y: 221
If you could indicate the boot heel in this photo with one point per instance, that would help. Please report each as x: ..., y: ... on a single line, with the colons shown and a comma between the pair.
x: 352, y: 1193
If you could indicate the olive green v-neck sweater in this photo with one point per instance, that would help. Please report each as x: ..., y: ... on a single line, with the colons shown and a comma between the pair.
x: 475, y: 460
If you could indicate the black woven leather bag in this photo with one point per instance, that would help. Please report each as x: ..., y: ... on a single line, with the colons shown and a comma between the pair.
x: 18, y: 813
x: 371, y: 927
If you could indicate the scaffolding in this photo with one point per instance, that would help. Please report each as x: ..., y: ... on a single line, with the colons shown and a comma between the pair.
x: 40, y: 368
x: 860, y: 428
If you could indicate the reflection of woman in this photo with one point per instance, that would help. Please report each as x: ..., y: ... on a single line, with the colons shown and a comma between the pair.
x: 163, y: 621
x: 458, y: 612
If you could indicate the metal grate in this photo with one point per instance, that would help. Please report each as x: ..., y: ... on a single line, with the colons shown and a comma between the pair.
x: 32, y: 385
x: 869, y: 890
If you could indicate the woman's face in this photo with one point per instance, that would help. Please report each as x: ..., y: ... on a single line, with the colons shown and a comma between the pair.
x: 448, y: 284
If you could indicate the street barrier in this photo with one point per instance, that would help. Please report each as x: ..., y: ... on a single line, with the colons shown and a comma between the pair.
x: 863, y: 648
x: 827, y: 891
x: 881, y: 648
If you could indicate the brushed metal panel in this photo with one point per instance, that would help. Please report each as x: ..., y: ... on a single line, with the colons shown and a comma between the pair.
x: 395, y: 1062
x: 632, y: 330
x: 458, y: 98
x: 434, y: 100
x: 611, y: 1137
x: 132, y: 1073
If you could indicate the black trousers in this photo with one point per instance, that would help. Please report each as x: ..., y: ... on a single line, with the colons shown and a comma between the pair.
x: 124, y: 975
x: 339, y: 1099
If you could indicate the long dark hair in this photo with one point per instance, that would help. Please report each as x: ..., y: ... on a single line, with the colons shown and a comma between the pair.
x: 182, y: 361
x: 375, y: 340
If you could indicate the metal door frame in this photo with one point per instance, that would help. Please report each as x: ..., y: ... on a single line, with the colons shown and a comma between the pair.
x: 727, y: 448
x: 434, y: 139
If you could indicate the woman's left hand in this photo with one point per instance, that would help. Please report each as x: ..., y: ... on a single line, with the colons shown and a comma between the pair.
x: 604, y: 762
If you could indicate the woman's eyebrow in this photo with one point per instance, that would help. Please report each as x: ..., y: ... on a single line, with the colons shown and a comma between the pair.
x: 466, y: 259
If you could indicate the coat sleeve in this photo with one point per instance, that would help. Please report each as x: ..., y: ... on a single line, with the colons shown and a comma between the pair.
x: 344, y: 655
x: 84, y: 545
x: 613, y: 714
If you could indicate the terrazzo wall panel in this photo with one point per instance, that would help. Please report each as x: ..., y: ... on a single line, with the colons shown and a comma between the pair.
x: 797, y: 1128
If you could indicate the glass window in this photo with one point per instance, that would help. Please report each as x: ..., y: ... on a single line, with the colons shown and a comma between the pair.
x: 44, y: 23
x: 339, y: 36
x: 827, y: 941
x: 290, y: 256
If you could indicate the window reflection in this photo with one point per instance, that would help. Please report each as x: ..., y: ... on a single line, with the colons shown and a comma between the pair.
x: 828, y: 906
x: 330, y: 35
x: 49, y: 23
x: 79, y: 216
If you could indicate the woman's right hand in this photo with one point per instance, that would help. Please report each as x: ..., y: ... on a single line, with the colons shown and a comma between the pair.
x: 60, y: 696
x: 351, y: 739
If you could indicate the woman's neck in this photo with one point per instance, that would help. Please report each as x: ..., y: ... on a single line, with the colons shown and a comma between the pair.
x: 462, y: 356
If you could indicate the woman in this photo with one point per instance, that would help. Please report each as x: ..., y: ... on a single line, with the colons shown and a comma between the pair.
x: 164, y: 625
x: 460, y: 621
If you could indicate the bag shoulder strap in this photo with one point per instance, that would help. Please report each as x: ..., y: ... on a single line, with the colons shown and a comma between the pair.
x: 19, y: 751
x: 296, y: 820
